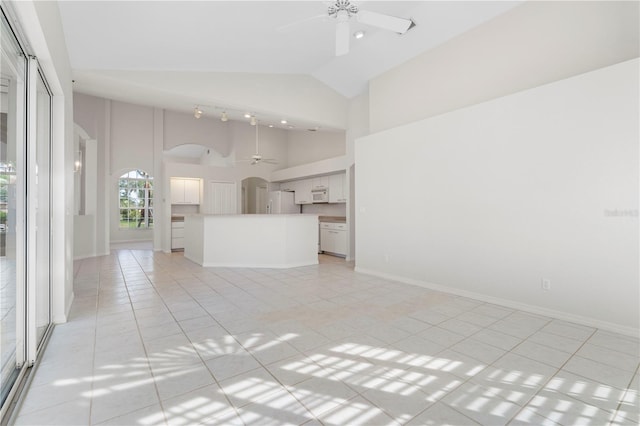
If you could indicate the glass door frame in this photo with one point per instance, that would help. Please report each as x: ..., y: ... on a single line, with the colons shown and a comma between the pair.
x: 20, y: 220
x: 33, y: 345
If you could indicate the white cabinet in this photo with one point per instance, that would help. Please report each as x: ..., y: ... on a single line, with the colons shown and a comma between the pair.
x: 287, y: 186
x: 185, y: 191
x: 302, y: 190
x: 333, y: 238
x: 321, y: 182
x: 338, y: 188
x: 177, y: 235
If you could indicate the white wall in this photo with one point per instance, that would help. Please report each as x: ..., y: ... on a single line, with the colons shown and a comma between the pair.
x: 306, y: 147
x: 90, y: 114
x: 181, y: 128
x: 131, y: 137
x: 533, y: 44
x: 296, y: 97
x: 488, y: 200
x: 358, y: 127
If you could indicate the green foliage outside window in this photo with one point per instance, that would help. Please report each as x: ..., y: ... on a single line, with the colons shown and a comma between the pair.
x: 135, y: 194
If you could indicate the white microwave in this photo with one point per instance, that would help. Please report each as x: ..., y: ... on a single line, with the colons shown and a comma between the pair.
x: 320, y: 195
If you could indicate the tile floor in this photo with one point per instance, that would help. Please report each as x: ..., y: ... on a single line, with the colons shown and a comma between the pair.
x: 154, y: 339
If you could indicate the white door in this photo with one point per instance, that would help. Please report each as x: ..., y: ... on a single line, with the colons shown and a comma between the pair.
x: 261, y: 200
x: 221, y: 198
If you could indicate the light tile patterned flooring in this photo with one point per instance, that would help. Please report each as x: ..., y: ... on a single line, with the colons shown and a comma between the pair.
x: 155, y: 339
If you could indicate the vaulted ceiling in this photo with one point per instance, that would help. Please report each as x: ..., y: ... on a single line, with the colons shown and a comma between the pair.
x: 265, y: 57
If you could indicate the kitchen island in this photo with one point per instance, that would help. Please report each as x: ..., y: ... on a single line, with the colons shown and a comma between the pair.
x: 252, y: 240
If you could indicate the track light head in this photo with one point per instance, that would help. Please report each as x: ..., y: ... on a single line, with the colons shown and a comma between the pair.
x: 197, y: 112
x: 224, y: 117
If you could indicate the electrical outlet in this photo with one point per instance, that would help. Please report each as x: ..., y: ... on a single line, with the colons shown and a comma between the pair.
x: 546, y: 284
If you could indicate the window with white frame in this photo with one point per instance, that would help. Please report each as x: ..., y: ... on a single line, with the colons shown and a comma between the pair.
x: 135, y: 193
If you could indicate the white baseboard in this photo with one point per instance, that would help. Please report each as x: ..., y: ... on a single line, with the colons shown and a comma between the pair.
x: 257, y: 265
x: 84, y: 256
x: 577, y: 319
x: 89, y: 256
x: 61, y: 319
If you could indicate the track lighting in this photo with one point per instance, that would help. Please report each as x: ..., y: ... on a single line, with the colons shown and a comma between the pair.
x: 224, y: 116
x: 253, y: 121
x: 197, y: 112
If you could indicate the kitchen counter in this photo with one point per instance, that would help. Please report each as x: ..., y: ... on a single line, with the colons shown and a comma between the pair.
x: 252, y: 240
x: 332, y: 219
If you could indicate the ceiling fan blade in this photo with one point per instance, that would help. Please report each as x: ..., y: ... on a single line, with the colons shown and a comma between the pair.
x: 342, y: 38
x: 387, y: 22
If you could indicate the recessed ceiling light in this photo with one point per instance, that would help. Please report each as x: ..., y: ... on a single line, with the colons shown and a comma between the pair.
x: 358, y: 34
x: 247, y: 115
x: 283, y: 121
x: 270, y: 125
x: 290, y: 126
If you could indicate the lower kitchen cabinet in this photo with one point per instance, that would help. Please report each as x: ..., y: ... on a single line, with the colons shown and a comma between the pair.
x: 177, y: 235
x: 333, y: 238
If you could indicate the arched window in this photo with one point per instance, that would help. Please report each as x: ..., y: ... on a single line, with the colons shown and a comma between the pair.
x: 135, y: 194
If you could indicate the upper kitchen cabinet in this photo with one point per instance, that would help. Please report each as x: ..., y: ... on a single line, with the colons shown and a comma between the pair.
x: 288, y: 186
x: 338, y: 188
x: 185, y: 191
x: 321, y: 182
x: 302, y: 190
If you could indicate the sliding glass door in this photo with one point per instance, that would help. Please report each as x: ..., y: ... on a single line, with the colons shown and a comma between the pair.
x: 25, y: 211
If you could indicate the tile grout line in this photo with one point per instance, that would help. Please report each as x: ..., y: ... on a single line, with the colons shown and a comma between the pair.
x: 95, y: 341
x: 235, y: 409
x: 626, y: 391
x: 286, y: 387
x: 558, y: 369
x: 470, y: 378
x: 191, y: 291
x: 117, y: 256
x: 249, y: 352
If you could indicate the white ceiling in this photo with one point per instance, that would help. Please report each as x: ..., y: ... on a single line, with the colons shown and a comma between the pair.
x: 238, y: 36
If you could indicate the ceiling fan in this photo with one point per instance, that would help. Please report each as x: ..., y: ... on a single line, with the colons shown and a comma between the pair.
x: 343, y: 11
x: 257, y: 158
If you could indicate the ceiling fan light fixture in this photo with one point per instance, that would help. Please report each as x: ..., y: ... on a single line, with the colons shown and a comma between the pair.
x: 224, y: 117
x: 197, y: 112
